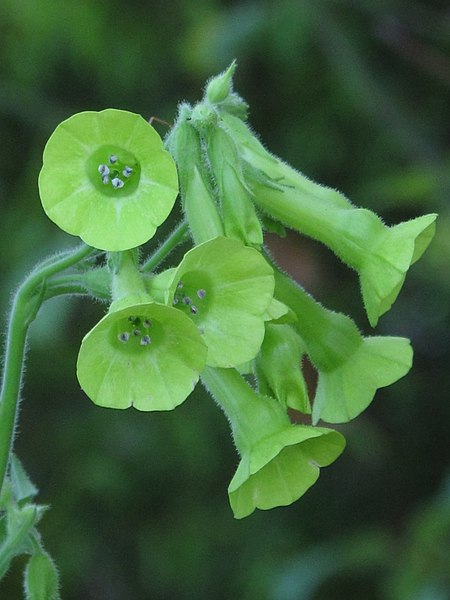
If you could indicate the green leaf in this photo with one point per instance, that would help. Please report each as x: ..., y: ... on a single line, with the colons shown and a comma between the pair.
x: 85, y: 158
x: 41, y: 578
x: 19, y: 524
x: 146, y: 355
x: 279, y: 461
x: 22, y: 487
x: 226, y: 289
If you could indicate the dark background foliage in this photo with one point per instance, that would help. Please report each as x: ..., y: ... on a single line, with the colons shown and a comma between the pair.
x: 356, y: 95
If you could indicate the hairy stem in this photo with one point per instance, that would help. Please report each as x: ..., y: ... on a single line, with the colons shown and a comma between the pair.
x: 179, y: 235
x: 26, y: 304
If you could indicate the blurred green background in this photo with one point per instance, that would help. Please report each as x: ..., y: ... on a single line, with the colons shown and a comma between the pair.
x: 356, y: 95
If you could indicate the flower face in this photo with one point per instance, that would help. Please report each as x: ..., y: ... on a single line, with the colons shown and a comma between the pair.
x: 107, y: 178
x: 147, y: 355
x: 226, y: 289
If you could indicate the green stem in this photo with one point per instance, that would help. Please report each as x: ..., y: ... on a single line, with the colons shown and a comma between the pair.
x: 26, y: 304
x: 179, y: 235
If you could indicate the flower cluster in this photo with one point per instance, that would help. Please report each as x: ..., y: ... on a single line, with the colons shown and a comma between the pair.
x: 226, y: 314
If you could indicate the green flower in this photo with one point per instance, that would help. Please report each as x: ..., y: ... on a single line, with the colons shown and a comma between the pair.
x: 381, y: 255
x: 279, y: 461
x: 146, y: 355
x: 350, y: 367
x: 226, y: 288
x: 107, y: 178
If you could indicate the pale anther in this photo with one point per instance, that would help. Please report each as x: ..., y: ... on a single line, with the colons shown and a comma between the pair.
x: 113, y: 159
x: 180, y: 285
x: 187, y: 300
x: 117, y: 183
x: 103, y: 169
x: 124, y: 337
x: 147, y: 323
x: 145, y: 340
x: 105, y: 179
x: 193, y: 310
x: 137, y: 332
x: 127, y: 171
x: 175, y: 301
x: 201, y: 294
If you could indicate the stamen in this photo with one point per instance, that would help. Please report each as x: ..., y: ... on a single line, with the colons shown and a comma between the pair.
x: 137, y: 332
x: 194, y: 310
x: 187, y: 300
x: 105, y: 179
x: 117, y: 183
x: 112, y: 159
x: 147, y: 323
x: 124, y: 337
x: 132, y: 319
x: 145, y: 341
x: 175, y: 301
x: 180, y: 285
x: 103, y: 169
x: 127, y: 171
x: 201, y: 294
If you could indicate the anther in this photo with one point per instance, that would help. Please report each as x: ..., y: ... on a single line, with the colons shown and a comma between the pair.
x: 124, y: 337
x: 127, y: 171
x: 137, y: 332
x: 132, y: 319
x: 201, y: 294
x: 117, y: 183
x: 105, y: 179
x: 175, y: 301
x: 193, y: 310
x: 112, y: 159
x: 147, y: 323
x: 180, y: 285
x: 145, y: 340
x: 103, y: 169
x: 187, y: 300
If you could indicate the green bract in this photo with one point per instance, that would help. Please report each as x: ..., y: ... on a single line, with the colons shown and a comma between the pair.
x: 226, y: 289
x: 279, y: 461
x: 146, y: 355
x: 107, y: 178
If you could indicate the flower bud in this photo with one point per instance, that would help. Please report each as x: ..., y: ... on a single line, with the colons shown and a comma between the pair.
x: 198, y: 201
x: 280, y: 362
x: 219, y: 88
x: 239, y: 215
